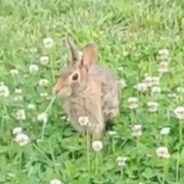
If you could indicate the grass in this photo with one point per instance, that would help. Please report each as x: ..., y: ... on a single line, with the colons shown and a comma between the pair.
x: 129, y: 35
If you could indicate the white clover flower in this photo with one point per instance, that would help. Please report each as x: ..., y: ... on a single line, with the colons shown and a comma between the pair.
x: 33, y: 69
x: 165, y: 131
x: 163, y: 67
x: 163, y: 51
x: 122, y: 84
x: 42, y: 117
x: 83, y: 121
x: 17, y: 130
x: 112, y: 133
x: 155, y: 90
x: 152, y: 106
x: 172, y: 95
x: 4, y: 90
x: 121, y: 161
x: 20, y: 114
x: 152, y: 81
x: 97, y: 145
x: 31, y: 106
x: 55, y: 181
x: 148, y: 81
x: 14, y: 72
x: 155, y: 81
x: 43, y: 82
x: 180, y: 89
x: 141, y: 87
x: 163, y: 54
x: 132, y: 103
x: 137, y: 130
x: 44, y: 60
x: 179, y: 113
x: 44, y: 94
x: 18, y: 91
x: 18, y: 98
x: 163, y: 152
x: 22, y: 139
x: 48, y: 42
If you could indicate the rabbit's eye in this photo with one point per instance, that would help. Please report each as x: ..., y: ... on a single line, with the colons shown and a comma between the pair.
x: 75, y: 77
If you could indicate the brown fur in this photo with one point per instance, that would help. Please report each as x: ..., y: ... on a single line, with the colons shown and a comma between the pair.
x: 88, y: 90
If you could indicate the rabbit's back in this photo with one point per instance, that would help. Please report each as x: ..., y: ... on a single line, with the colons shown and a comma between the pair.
x: 110, y: 91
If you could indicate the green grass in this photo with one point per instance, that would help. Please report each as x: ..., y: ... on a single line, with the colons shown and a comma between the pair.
x: 129, y: 35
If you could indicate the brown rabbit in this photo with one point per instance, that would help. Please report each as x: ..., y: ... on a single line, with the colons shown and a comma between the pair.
x: 88, y: 91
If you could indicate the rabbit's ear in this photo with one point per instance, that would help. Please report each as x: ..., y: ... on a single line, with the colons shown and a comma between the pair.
x: 73, y: 50
x: 89, y: 55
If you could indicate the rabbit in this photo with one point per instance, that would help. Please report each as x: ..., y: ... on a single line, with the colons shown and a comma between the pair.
x: 90, y: 93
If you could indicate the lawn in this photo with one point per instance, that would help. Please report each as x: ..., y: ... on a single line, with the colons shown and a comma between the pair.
x: 140, y: 40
